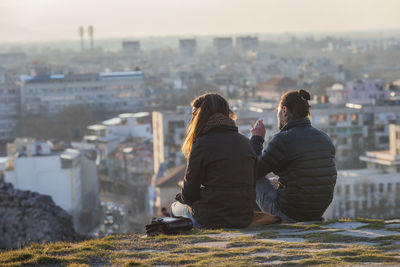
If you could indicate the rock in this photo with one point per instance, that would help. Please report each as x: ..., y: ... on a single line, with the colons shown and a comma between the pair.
x: 31, y: 217
x: 346, y: 225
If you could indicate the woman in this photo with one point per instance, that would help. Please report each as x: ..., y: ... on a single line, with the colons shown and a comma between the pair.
x: 219, y: 185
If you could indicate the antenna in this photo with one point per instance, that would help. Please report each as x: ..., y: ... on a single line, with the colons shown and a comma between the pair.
x: 90, y: 31
x: 81, y: 32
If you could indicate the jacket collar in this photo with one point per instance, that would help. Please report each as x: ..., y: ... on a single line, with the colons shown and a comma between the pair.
x: 296, y: 123
x: 220, y: 122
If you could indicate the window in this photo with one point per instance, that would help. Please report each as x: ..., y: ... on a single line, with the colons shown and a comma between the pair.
x: 341, y: 118
x: 347, y: 189
x: 333, y: 119
x: 354, y: 119
x: 380, y: 128
x: 381, y: 186
x: 364, y: 204
x: 342, y: 141
x: 372, y: 188
x: 384, y: 139
x: 389, y: 187
x: 338, y: 189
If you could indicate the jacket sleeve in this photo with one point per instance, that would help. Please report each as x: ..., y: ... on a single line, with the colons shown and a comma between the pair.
x: 194, y: 175
x: 257, y: 144
x: 272, y: 159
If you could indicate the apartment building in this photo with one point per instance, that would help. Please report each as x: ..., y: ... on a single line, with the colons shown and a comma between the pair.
x: 373, y: 192
x: 131, y: 49
x: 364, y: 92
x: 246, y: 44
x: 69, y: 176
x: 365, y: 193
x: 223, y: 46
x: 168, y: 132
x: 43, y: 93
x: 187, y: 48
x: 388, y: 161
x: 9, y: 106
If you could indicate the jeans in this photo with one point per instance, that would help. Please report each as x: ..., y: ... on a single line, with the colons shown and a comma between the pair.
x: 182, y: 210
x: 267, y: 199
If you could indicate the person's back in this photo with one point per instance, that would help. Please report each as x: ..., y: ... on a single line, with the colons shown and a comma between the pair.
x: 308, y: 173
x: 219, y: 187
x: 304, y: 159
x: 228, y: 193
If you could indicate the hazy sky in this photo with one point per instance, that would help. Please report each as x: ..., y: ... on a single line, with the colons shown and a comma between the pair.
x: 59, y: 19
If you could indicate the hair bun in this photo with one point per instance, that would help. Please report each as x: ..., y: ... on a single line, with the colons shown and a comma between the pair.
x: 306, y: 95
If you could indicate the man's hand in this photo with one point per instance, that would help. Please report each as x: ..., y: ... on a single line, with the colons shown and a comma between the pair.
x: 274, y: 181
x: 258, y: 129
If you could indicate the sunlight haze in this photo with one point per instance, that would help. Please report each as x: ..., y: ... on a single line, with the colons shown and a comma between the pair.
x: 59, y: 19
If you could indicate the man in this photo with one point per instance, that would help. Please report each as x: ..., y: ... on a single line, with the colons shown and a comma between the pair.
x: 304, y: 159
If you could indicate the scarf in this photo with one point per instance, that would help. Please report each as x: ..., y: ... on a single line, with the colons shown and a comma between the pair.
x: 219, y: 120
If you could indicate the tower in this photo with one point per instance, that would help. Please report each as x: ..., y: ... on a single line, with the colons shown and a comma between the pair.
x: 81, y: 32
x: 90, y: 31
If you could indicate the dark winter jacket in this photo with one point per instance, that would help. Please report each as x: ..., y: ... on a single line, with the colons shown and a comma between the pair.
x: 304, y: 159
x: 219, y: 180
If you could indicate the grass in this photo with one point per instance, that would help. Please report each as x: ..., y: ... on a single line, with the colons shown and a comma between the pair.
x: 320, y: 249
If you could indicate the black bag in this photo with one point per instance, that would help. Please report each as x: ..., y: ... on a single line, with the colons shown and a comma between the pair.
x: 168, y: 225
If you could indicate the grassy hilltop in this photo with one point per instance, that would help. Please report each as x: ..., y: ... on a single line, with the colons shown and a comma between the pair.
x: 344, y: 242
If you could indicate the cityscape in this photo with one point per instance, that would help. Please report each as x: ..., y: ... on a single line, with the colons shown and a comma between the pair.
x: 97, y: 124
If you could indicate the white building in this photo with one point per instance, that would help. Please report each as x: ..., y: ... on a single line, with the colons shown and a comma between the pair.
x: 362, y: 92
x: 373, y: 192
x: 68, y: 176
x: 365, y: 193
x: 9, y: 106
x: 113, y: 91
x: 168, y: 132
x: 107, y: 135
x: 388, y: 161
x: 128, y: 125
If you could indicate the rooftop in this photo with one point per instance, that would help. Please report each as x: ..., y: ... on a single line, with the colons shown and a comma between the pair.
x: 172, y: 177
x: 135, y: 115
x: 80, y: 77
x: 367, y: 174
x: 383, y: 157
x: 337, y: 86
x: 334, y: 243
x: 97, y: 127
x: 278, y: 82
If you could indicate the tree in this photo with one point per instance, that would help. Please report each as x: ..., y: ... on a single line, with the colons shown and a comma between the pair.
x: 69, y: 124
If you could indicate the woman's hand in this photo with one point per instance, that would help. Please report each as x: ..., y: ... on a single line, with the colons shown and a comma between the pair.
x: 258, y: 129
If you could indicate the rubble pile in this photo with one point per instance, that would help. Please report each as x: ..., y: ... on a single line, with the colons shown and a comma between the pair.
x: 27, y: 217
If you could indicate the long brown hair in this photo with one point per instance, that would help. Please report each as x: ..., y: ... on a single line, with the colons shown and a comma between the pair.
x: 204, y: 107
